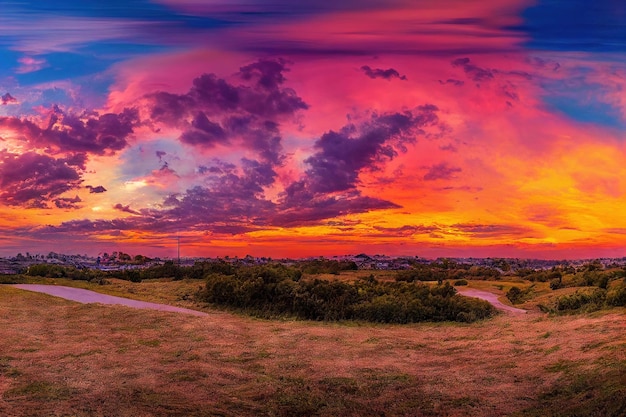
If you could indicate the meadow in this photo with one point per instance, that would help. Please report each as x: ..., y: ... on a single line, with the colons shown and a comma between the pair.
x: 60, y: 358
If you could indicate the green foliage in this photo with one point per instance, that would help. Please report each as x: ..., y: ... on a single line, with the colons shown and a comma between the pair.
x: 422, y: 273
x: 556, y: 284
x: 446, y: 270
x: 617, y: 296
x: 326, y: 266
x: 277, y: 290
x: 518, y: 296
x: 581, y: 301
x: 586, y: 300
x: 514, y: 295
x: 12, y: 279
x: 172, y: 271
x: 59, y: 271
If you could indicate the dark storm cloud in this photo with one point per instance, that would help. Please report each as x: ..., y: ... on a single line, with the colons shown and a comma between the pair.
x: 387, y: 74
x: 70, y: 132
x: 96, y: 190
x: 33, y: 180
x: 441, y: 171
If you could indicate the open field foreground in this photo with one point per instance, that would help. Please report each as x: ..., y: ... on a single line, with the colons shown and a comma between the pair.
x: 61, y: 358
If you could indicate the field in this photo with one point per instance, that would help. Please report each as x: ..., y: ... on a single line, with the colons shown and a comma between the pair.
x: 59, y: 358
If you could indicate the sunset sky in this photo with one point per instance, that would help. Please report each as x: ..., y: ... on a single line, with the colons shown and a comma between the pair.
x: 300, y: 128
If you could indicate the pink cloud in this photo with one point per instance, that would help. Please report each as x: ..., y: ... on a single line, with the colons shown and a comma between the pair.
x: 30, y: 64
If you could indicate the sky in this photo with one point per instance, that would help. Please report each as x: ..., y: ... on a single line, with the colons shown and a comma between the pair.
x: 445, y: 128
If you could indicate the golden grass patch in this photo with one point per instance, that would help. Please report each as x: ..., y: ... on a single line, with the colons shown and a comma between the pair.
x: 62, y: 358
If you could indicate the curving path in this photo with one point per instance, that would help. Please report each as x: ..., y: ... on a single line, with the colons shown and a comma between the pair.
x: 86, y: 296
x: 491, y: 297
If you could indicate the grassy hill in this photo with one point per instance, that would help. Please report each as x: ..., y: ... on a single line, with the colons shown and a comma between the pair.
x: 61, y: 358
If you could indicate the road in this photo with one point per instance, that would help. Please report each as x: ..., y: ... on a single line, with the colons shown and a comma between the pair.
x: 491, y: 297
x: 87, y: 296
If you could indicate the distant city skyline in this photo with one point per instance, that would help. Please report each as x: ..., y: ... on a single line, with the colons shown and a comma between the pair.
x: 292, y: 129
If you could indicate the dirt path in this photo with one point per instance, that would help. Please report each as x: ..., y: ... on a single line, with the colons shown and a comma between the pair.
x: 87, y: 296
x: 492, y: 298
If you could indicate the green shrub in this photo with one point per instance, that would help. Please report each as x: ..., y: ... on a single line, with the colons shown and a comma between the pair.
x: 277, y: 290
x: 555, y: 284
x: 514, y: 295
x: 617, y: 296
x: 579, y: 300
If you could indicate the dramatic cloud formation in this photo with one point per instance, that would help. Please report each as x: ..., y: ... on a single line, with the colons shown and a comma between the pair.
x: 314, y: 128
x: 31, y: 180
x: 70, y: 132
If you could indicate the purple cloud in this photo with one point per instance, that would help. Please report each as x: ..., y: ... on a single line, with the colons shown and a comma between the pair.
x: 71, y: 132
x: 387, y: 74
x: 491, y: 230
x: 203, y: 132
x: 8, y: 99
x: 441, y: 171
x: 32, y: 180
x: 125, y: 209
x: 474, y: 72
x: 67, y: 203
x: 451, y: 81
x: 321, y: 207
x: 215, y: 111
x: 340, y: 156
x: 266, y: 98
x: 405, y: 231
x: 96, y: 190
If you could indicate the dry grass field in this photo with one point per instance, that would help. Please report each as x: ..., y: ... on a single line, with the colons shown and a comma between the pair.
x: 60, y: 358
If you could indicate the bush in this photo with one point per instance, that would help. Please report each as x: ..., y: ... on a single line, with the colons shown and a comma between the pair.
x: 514, y: 295
x: 277, y: 290
x: 460, y: 283
x: 617, y: 296
x: 578, y: 301
x: 555, y: 284
x: 59, y: 271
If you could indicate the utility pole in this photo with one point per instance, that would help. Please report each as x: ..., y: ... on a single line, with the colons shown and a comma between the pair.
x: 178, y: 239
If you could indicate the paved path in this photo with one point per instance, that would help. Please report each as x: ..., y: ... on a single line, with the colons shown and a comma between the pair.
x: 491, y: 297
x: 87, y: 296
